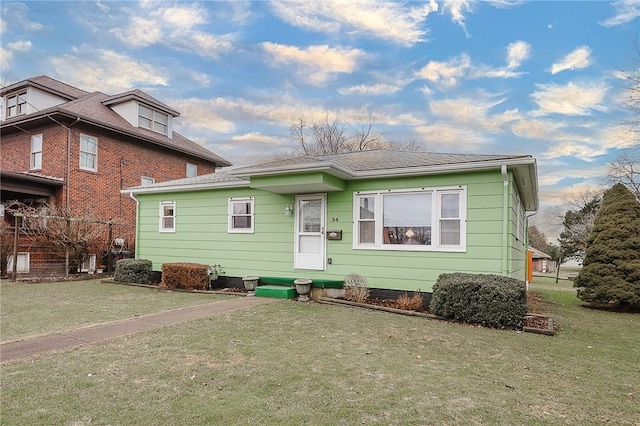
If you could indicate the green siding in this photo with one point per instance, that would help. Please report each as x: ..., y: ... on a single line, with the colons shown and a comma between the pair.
x: 201, y: 234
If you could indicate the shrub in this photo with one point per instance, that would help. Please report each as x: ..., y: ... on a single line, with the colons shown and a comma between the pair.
x: 190, y: 276
x: 611, y: 269
x: 407, y: 303
x: 356, y: 288
x: 132, y: 271
x: 489, y: 300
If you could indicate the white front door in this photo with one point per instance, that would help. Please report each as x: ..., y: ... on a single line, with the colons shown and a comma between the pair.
x: 310, y: 223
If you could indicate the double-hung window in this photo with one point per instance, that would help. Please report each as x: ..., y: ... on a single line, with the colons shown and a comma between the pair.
x: 167, y: 216
x: 36, y: 152
x: 153, y: 120
x: 241, y: 215
x: 427, y: 219
x: 16, y: 104
x: 192, y: 170
x: 88, y: 153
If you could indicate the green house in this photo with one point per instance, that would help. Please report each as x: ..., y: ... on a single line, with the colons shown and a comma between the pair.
x: 400, y: 219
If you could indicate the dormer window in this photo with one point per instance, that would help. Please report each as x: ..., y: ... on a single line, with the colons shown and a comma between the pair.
x: 16, y: 104
x: 152, y: 119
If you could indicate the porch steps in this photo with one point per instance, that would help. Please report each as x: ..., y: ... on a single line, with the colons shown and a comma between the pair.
x: 276, y: 291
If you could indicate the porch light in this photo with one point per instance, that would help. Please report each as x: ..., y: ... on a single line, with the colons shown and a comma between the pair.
x: 288, y: 210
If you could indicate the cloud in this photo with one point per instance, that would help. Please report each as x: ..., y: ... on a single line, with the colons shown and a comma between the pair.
x: 14, y: 16
x: 391, y: 21
x: 571, y: 99
x: 625, y: 11
x: 6, y: 53
x: 106, y: 70
x: 458, y: 8
x: 579, y: 58
x: 517, y: 52
x: 19, y: 46
x: 259, y: 138
x: 473, y: 113
x: 317, y: 64
x: 445, y: 73
x: 374, y: 89
x: 451, y: 138
x: 175, y: 27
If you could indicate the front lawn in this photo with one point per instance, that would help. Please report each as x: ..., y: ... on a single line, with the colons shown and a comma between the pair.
x: 295, y: 363
x: 42, y: 308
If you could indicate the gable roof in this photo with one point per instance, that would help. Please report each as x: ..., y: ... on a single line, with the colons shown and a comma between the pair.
x: 47, y: 84
x: 93, y: 108
x: 538, y: 254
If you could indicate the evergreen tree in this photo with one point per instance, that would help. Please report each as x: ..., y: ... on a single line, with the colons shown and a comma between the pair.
x: 611, y: 272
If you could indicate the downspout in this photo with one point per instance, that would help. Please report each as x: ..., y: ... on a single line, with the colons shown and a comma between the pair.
x: 526, y: 245
x: 68, y: 178
x: 133, y: 197
x: 505, y: 220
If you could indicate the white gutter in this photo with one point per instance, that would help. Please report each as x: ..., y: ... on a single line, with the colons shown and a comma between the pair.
x: 184, y: 187
x: 505, y: 220
x: 527, y: 215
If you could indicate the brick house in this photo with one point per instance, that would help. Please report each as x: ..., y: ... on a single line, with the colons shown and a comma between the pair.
x: 69, y: 147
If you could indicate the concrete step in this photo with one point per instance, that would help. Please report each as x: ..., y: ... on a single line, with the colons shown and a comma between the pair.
x: 276, y: 291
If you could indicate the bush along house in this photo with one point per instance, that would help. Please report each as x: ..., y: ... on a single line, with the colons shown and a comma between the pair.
x: 64, y: 146
x: 400, y: 219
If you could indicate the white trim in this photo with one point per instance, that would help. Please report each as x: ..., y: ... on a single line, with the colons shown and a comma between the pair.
x: 33, y: 164
x: 92, y: 140
x: 436, y: 194
x: 154, y: 122
x: 161, y: 216
x: 25, y: 265
x: 194, y: 168
x: 91, y: 265
x: 306, y: 262
x: 231, y: 215
x: 147, y: 180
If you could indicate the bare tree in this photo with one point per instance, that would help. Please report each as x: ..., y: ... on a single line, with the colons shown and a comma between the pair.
x: 67, y: 236
x: 631, y: 94
x: 336, y: 136
x: 625, y: 169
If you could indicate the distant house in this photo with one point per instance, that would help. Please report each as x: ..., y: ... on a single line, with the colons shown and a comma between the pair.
x: 542, y: 262
x: 398, y: 218
x: 65, y: 146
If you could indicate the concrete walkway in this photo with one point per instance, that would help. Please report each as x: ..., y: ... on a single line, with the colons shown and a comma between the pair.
x: 82, y: 336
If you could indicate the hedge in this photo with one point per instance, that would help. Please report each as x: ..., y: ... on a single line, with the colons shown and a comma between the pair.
x: 185, y: 275
x: 490, y: 300
x: 132, y: 271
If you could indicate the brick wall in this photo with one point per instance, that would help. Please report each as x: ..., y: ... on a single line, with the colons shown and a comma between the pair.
x: 121, y: 164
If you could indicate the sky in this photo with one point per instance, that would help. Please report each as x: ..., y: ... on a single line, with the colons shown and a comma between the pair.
x: 543, y: 78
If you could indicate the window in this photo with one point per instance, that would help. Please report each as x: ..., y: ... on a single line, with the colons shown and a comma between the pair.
x: 192, y: 170
x: 16, y: 104
x: 153, y: 120
x: 23, y: 262
x: 241, y: 215
x: 423, y: 219
x: 89, y: 264
x: 146, y: 180
x: 168, y: 216
x: 88, y: 153
x: 36, y: 151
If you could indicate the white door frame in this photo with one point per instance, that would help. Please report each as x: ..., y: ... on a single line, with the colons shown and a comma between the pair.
x: 316, y: 260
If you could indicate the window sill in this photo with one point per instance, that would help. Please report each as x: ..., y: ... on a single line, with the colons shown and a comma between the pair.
x: 413, y: 248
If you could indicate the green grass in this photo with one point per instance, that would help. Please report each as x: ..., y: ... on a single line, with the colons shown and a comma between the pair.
x: 33, y: 309
x: 291, y: 363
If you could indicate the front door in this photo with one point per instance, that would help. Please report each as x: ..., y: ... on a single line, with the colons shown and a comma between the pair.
x: 310, y: 222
